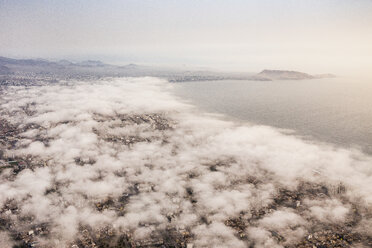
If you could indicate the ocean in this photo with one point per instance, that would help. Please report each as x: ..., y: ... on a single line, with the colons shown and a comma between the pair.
x: 335, y: 110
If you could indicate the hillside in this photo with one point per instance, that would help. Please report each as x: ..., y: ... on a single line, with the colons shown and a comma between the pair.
x: 284, y: 75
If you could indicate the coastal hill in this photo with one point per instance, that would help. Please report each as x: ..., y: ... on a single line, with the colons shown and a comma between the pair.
x: 289, y: 75
x: 284, y: 75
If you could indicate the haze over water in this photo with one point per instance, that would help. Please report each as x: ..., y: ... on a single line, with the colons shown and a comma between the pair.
x: 337, y: 110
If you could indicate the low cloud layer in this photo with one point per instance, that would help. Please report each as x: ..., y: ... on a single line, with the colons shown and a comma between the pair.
x: 125, y: 157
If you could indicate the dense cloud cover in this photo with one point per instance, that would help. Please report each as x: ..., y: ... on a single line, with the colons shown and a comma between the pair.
x: 127, y: 155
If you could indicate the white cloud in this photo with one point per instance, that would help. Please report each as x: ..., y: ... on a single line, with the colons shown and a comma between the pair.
x: 193, y: 176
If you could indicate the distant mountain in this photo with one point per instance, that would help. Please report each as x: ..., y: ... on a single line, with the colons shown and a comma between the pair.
x: 91, y: 63
x: 130, y: 66
x: 284, y: 75
x: 24, y: 62
x: 65, y: 62
x: 43, y: 62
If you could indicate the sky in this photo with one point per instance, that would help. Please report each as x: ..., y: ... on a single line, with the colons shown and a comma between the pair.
x: 317, y: 36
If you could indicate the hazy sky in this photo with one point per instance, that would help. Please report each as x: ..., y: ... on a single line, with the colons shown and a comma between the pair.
x: 314, y: 36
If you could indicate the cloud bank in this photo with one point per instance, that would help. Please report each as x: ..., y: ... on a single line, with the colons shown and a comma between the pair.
x: 123, y: 160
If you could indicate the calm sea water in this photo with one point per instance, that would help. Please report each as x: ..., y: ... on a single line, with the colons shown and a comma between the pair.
x: 337, y: 110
